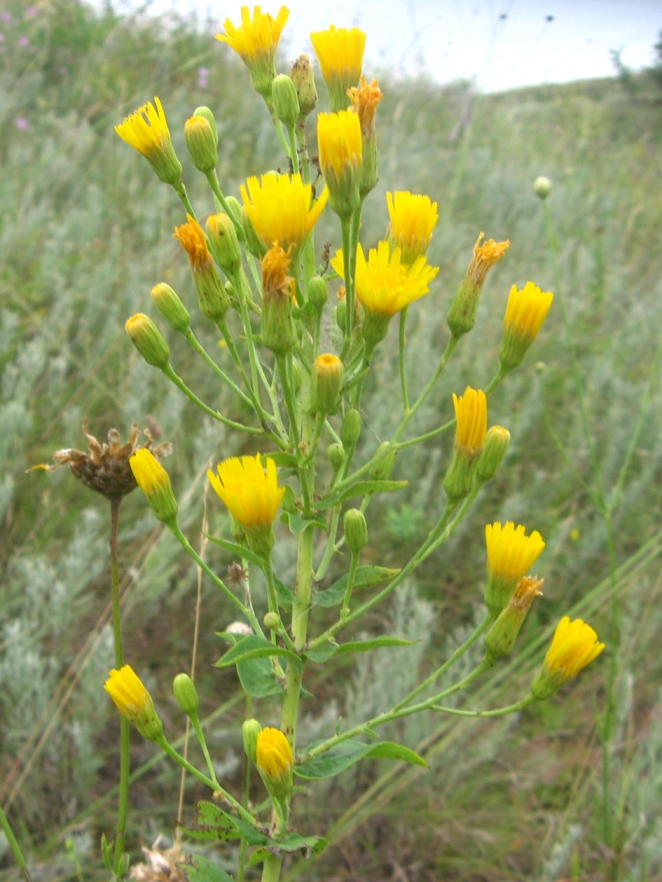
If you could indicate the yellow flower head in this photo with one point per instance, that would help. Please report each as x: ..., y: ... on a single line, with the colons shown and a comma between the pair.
x: 340, y: 54
x: 274, y: 761
x: 281, y: 209
x: 194, y: 242
x: 252, y: 496
x: 525, y: 313
x: 364, y: 102
x: 574, y: 645
x: 275, y: 280
x: 413, y: 219
x: 341, y: 156
x: 134, y: 701
x: 510, y: 552
x: 154, y: 481
x: 384, y: 284
x: 485, y: 256
x: 256, y: 37
x: 471, y: 415
x: 146, y: 130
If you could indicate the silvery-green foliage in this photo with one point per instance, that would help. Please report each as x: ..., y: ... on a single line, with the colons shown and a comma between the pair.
x: 561, y: 852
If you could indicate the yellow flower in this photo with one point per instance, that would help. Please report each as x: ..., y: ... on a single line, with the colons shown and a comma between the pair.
x: 471, y: 415
x: 341, y: 155
x: 194, y: 242
x: 274, y: 761
x: 364, y: 101
x: 340, y: 54
x: 510, y: 553
x: 154, y: 481
x: 251, y: 495
x: 413, y: 219
x: 212, y: 297
x: 574, y: 645
x: 280, y: 208
x: 255, y: 41
x: 525, y: 313
x: 384, y: 284
x: 278, y: 331
x: 134, y: 702
x: 146, y: 130
x: 485, y: 256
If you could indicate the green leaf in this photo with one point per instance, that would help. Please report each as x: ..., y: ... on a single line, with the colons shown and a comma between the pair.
x: 322, y: 653
x: 365, y: 577
x: 211, y: 822
x: 284, y: 595
x: 257, y: 678
x: 239, y: 550
x: 197, y: 868
x: 297, y: 524
x: 293, y: 842
x: 375, y: 643
x: 284, y: 459
x: 349, y: 752
x: 252, y: 646
x: 361, y: 488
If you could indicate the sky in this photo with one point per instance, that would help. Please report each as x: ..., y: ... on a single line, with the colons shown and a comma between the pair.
x: 498, y: 44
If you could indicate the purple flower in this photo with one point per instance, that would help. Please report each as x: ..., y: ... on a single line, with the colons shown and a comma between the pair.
x: 6, y: 16
x: 24, y: 42
x: 203, y: 73
x: 31, y: 11
x: 21, y: 123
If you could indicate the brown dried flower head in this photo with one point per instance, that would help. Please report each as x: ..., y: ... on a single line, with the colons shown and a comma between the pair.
x: 161, y: 865
x: 105, y: 467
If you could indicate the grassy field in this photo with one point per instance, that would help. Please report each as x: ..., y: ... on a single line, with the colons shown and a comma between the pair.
x: 569, y: 789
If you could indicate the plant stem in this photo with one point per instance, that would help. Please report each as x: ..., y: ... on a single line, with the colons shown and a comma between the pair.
x: 354, y: 562
x: 197, y: 346
x: 181, y: 192
x: 123, y: 802
x: 403, y: 362
x: 13, y: 844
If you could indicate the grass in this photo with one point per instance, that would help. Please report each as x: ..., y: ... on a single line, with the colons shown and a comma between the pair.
x: 87, y: 232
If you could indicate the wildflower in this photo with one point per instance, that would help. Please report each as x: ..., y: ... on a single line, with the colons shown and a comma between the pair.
x: 134, y: 702
x: 21, y: 123
x: 462, y: 313
x: 326, y: 381
x: 340, y: 54
x: 385, y: 285
x: 146, y: 130
x: 471, y: 416
x: 251, y: 495
x: 202, y: 143
x: 510, y: 554
x: 148, y: 340
x: 542, y: 187
x: 275, y: 762
x: 285, y: 101
x: 495, y: 448
x: 186, y: 695
x: 413, y: 219
x: 105, y: 467
x: 278, y: 331
x: 364, y: 103
x: 525, y: 313
x: 281, y: 208
x: 574, y: 645
x: 250, y: 731
x: 154, y: 481
x: 341, y: 156
x: 255, y: 41
x: 212, y: 297
x: 171, y: 307
x: 223, y: 243
x: 503, y: 633
x: 304, y: 82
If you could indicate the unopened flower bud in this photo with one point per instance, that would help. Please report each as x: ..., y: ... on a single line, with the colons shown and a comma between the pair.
x: 542, y: 187
x: 254, y: 244
x: 463, y: 310
x: 350, y: 429
x: 503, y: 633
x: 326, y: 382
x: 272, y: 621
x: 171, y: 307
x: 278, y: 329
x: 234, y: 207
x: 341, y: 315
x: 202, y: 143
x: 318, y: 292
x: 154, y: 482
x: 275, y: 762
x: 336, y: 456
x: 249, y: 732
x: 223, y: 243
x: 211, y: 119
x: 186, y: 695
x: 497, y: 441
x: 134, y: 702
x: 574, y: 645
x: 285, y: 100
x: 304, y: 82
x: 356, y: 530
x: 382, y: 471
x: 148, y: 340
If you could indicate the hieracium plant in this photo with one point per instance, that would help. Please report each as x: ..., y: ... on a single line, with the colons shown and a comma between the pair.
x: 300, y: 365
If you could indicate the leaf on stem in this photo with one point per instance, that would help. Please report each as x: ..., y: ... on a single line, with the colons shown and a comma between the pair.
x: 349, y: 752
x: 257, y: 678
x: 251, y: 647
x: 198, y: 869
x: 361, y: 488
x: 365, y: 577
x: 293, y: 842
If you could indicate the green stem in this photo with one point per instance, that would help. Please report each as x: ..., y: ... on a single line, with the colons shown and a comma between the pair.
x: 125, y: 760
x: 354, y: 562
x: 180, y: 190
x: 294, y: 153
x: 283, y: 139
x: 212, y: 180
x: 290, y: 402
x: 498, y: 712
x: 403, y: 362
x: 346, y: 227
x: 13, y: 844
x: 243, y: 844
x: 197, y: 346
x: 329, y: 550
x: 197, y: 728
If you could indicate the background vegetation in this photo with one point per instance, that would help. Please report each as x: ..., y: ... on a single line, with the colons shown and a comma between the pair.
x: 85, y: 233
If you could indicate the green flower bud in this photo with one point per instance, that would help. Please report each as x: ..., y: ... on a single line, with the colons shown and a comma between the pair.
x: 297, y: 376
x: 336, y: 456
x: 207, y: 114
x: 223, y: 243
x: 234, y: 206
x: 148, y: 340
x: 249, y: 732
x: 318, y: 292
x: 278, y: 331
x: 171, y: 307
x: 382, y: 471
x: 253, y: 241
x: 304, y: 82
x: 202, y: 143
x: 272, y: 621
x: 503, y: 633
x: 461, y: 316
x: 350, y: 429
x: 497, y: 441
x: 542, y: 187
x: 326, y: 382
x: 356, y: 530
x: 186, y: 695
x: 154, y: 482
x: 285, y: 100
x: 341, y: 315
